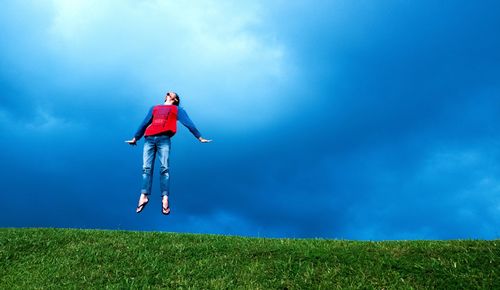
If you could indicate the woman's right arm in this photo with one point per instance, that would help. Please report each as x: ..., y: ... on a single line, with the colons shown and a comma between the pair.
x: 142, y: 128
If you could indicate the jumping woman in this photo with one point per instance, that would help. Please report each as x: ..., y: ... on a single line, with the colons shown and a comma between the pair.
x: 158, y: 128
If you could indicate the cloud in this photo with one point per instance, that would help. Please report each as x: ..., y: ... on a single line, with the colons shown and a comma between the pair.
x: 331, y: 119
x: 216, y: 54
x: 220, y: 57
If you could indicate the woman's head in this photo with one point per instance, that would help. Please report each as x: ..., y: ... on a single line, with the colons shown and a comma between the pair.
x: 174, y: 97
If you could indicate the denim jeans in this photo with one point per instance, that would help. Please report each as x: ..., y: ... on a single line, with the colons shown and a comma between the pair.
x: 156, y: 146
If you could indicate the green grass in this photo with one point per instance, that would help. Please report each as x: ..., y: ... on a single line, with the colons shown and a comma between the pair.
x: 69, y: 258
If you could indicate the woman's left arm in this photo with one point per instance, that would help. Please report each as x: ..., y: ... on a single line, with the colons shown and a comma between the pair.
x: 183, y: 117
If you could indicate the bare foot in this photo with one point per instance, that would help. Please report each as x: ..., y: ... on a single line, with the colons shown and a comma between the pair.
x: 143, y: 200
x: 165, y: 206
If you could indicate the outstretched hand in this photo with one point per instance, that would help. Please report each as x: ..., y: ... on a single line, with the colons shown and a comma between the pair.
x: 132, y: 142
x: 203, y: 140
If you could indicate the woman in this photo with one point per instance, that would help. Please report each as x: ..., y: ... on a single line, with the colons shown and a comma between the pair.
x: 159, y: 126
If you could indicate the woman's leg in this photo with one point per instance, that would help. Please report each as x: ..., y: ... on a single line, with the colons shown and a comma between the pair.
x: 148, y: 158
x: 163, y: 156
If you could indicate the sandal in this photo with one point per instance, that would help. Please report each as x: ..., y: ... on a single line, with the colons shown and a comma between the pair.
x: 141, y: 206
x: 165, y: 210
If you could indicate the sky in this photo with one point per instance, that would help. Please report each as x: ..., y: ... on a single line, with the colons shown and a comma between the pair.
x: 362, y: 120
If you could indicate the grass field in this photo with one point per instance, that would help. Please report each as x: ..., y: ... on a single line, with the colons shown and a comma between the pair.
x: 70, y: 258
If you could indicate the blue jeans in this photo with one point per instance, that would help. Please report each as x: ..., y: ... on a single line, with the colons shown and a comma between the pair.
x: 153, y: 146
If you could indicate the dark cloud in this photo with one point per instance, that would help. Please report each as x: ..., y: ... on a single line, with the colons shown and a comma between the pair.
x: 389, y: 130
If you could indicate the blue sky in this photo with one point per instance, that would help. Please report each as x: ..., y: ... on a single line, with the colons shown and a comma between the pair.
x: 369, y: 120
